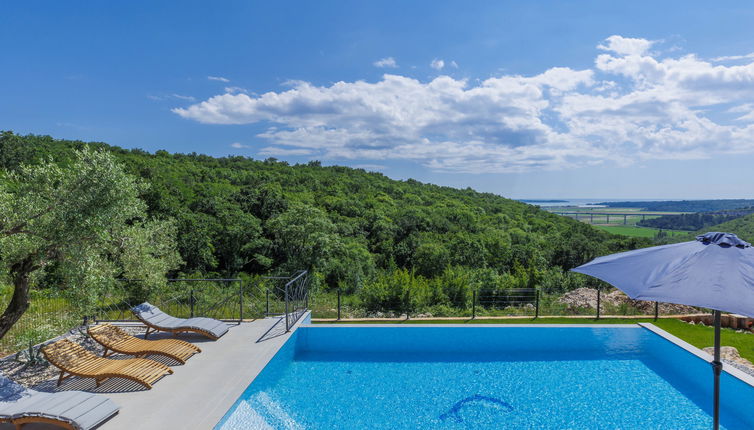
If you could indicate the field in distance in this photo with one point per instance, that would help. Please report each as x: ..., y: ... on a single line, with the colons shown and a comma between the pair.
x: 620, y: 221
x: 635, y: 231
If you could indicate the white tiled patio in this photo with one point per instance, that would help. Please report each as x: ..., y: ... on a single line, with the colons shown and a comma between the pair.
x: 198, y: 393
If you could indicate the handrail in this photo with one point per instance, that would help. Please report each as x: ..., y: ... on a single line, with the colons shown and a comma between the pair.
x: 295, y: 296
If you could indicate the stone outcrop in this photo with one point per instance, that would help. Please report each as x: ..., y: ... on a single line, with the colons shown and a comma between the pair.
x: 587, y: 298
x: 730, y: 354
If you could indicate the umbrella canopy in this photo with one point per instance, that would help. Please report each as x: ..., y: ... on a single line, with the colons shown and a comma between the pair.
x: 714, y: 271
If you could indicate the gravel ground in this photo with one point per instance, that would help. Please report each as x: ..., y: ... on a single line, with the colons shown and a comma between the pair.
x: 33, y: 374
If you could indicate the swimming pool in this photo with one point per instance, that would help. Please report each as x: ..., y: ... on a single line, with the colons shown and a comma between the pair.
x: 485, y: 377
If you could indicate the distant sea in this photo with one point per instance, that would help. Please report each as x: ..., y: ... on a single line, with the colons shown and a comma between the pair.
x: 582, y: 202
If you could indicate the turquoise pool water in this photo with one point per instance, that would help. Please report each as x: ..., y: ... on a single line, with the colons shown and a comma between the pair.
x: 485, y: 378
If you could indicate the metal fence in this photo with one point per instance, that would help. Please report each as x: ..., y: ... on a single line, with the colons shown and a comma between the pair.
x: 49, y: 315
x: 219, y: 298
x: 489, y: 303
x: 229, y: 299
x: 287, y: 296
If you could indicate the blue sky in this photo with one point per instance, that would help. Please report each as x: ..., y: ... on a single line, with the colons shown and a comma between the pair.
x: 524, y: 99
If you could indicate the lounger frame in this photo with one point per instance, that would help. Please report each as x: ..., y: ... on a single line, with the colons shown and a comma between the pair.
x: 114, y: 339
x: 139, y: 370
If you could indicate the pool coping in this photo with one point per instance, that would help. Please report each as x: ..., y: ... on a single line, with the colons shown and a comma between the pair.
x: 731, y: 370
x: 357, y: 325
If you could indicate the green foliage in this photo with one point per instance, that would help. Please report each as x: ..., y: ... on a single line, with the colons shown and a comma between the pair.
x: 695, y: 221
x: 358, y: 231
x: 80, y: 223
x: 31, y: 356
x: 742, y: 227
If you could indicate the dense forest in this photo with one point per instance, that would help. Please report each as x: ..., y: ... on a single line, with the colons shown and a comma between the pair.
x: 356, y: 230
x: 695, y: 221
x: 685, y: 205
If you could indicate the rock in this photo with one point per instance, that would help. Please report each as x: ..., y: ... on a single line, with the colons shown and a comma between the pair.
x: 730, y: 355
x: 587, y: 298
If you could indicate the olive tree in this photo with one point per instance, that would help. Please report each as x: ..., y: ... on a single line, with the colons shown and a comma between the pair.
x: 85, y: 221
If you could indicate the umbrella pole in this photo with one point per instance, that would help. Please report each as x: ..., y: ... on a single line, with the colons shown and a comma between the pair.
x: 717, y: 367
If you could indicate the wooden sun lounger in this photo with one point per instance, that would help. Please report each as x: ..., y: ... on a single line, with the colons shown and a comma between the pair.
x: 73, y: 359
x: 73, y: 410
x: 115, y: 339
x: 157, y: 320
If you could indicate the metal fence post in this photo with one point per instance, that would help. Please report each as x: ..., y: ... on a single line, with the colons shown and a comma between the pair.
x: 240, y: 301
x: 287, y: 328
x: 598, y: 303
x: 408, y: 304
x: 338, y: 304
x: 657, y: 310
x: 191, y: 301
x: 473, y: 305
x: 267, y: 307
x: 536, y: 304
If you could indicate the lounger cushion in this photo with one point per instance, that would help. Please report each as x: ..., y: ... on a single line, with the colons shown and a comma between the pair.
x: 154, y: 316
x: 81, y: 410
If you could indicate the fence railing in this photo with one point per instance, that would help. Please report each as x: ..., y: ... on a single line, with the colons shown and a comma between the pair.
x: 219, y: 298
x: 532, y: 302
x: 47, y: 318
x: 290, y: 296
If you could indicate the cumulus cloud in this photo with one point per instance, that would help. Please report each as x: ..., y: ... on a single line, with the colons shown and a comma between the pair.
x: 437, y: 64
x: 218, y: 78
x: 235, y: 90
x: 388, y: 62
x: 625, y: 45
x: 238, y: 145
x: 632, y: 105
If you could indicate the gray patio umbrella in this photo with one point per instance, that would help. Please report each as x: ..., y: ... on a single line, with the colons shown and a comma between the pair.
x: 715, y: 271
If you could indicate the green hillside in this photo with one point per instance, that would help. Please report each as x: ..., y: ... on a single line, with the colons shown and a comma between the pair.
x: 352, y: 228
x: 742, y: 227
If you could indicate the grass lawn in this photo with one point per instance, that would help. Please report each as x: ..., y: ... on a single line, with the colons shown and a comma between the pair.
x: 697, y: 335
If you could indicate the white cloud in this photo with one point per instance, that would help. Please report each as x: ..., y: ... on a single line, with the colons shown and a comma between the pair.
x: 170, y: 96
x: 454, y: 64
x: 437, y: 64
x: 218, y: 78
x: 238, y: 145
x: 233, y: 90
x: 182, y: 97
x: 388, y: 62
x: 632, y: 105
x: 625, y: 45
x: 734, y: 57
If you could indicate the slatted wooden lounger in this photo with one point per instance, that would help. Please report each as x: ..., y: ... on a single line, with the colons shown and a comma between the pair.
x: 73, y: 359
x: 115, y: 339
x: 73, y: 410
x: 157, y: 320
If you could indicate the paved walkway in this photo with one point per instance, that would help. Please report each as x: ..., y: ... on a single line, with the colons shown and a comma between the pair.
x: 198, y: 393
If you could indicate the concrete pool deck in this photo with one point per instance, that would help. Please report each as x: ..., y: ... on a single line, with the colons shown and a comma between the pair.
x: 197, y: 394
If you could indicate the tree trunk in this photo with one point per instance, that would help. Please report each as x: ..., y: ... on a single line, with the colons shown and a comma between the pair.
x: 19, y: 303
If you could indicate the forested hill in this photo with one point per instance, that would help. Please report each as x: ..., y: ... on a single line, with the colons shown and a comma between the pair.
x: 695, y: 221
x: 235, y: 214
x: 742, y: 227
